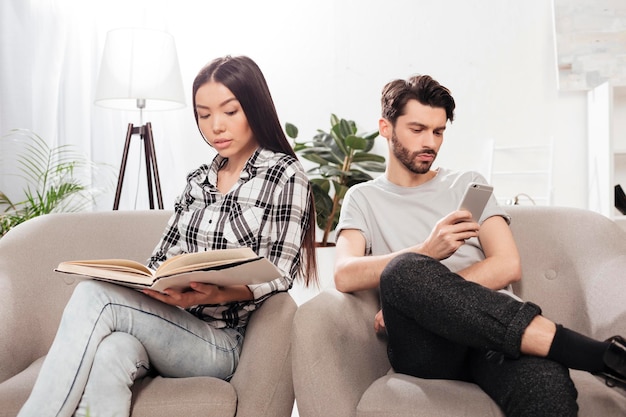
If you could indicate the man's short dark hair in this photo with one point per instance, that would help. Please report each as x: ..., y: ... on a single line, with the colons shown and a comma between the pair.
x: 422, y: 88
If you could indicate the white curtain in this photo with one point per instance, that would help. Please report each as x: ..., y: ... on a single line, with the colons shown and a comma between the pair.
x: 49, y: 60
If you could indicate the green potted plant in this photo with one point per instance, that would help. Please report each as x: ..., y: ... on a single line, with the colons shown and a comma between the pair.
x: 342, y: 159
x: 50, y: 178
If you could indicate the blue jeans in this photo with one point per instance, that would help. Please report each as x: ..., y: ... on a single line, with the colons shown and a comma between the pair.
x: 111, y: 335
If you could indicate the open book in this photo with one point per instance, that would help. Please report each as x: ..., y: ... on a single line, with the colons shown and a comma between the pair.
x: 240, y: 266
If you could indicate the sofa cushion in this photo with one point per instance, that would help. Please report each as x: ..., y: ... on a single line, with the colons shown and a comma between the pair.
x: 595, y: 398
x: 164, y: 397
x: 397, y: 395
x: 157, y: 397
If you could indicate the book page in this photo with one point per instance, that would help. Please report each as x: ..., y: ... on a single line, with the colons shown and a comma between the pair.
x: 203, y: 266
x: 203, y: 260
x: 123, y: 265
x: 108, y: 273
x: 251, y: 272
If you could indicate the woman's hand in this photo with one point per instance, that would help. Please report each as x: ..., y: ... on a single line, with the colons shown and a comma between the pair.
x: 200, y: 293
x: 197, y: 294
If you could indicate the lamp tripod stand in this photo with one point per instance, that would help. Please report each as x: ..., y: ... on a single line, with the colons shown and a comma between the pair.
x: 152, y: 171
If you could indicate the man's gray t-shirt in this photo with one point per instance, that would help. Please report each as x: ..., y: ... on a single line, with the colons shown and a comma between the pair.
x: 392, y: 217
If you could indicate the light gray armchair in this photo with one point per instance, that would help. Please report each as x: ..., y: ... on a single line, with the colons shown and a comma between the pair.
x: 574, y: 266
x: 32, y: 298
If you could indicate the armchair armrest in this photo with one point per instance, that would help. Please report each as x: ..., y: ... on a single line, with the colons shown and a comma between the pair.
x: 573, y: 262
x: 336, y: 353
x: 263, y: 379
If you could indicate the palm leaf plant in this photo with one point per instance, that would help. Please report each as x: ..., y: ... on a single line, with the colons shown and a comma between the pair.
x: 342, y: 159
x: 50, y: 175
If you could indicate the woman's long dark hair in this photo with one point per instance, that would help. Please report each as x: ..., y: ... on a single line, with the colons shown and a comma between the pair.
x: 243, y: 77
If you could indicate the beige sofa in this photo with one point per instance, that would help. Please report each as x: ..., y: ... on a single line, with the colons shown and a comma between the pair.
x: 574, y: 266
x: 32, y: 298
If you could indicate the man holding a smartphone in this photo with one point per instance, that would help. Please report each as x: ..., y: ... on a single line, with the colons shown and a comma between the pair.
x: 444, y: 274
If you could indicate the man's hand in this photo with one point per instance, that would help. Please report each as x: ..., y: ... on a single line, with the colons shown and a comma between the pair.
x: 449, y: 234
x: 198, y: 294
x: 379, y: 322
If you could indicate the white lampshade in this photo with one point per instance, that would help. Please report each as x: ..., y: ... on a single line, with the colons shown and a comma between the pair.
x: 138, y: 65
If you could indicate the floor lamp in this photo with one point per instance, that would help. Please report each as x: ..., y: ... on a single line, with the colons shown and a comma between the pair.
x: 140, y: 71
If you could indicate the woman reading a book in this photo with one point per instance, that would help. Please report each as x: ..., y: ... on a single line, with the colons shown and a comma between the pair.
x: 253, y: 194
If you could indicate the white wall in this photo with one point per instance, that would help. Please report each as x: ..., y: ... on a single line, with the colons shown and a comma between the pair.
x: 323, y: 56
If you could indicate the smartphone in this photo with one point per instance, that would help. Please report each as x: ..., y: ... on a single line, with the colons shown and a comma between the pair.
x: 475, y: 199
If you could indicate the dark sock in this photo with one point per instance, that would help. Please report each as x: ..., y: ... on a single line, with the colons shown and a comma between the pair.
x: 577, y: 351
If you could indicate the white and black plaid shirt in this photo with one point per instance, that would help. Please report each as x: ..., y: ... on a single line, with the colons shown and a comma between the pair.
x: 266, y: 210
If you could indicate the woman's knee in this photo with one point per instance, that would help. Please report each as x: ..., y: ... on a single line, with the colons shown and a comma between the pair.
x: 87, y: 287
x: 96, y: 294
x: 89, y: 291
x: 85, y: 295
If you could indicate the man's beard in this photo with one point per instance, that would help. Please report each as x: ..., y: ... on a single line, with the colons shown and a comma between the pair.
x: 408, y: 158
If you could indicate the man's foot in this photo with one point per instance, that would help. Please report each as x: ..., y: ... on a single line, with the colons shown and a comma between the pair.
x: 615, y: 361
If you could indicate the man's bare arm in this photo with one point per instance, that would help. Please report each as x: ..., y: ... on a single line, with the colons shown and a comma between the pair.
x: 502, y: 264
x: 354, y: 271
